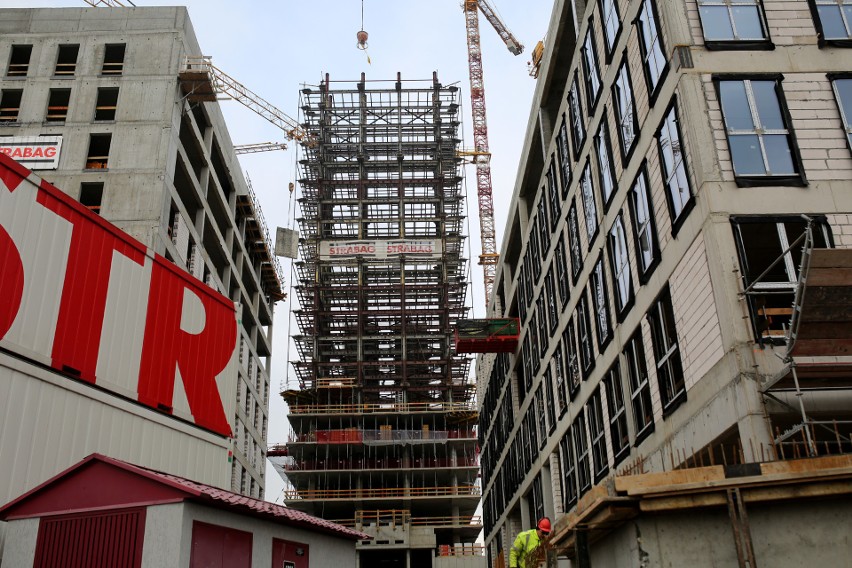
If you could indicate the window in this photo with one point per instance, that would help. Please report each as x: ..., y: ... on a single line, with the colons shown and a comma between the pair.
x: 542, y: 416
x: 10, y: 104
x: 106, y: 104
x: 843, y: 92
x: 670, y: 146
x: 572, y: 365
x: 611, y: 25
x: 594, y: 410
x: 66, y: 60
x: 761, y: 241
x: 551, y: 408
x: 619, y: 259
x: 833, y: 21
x: 542, y: 225
x: 600, y: 302
x: 589, y: 208
x: 569, y: 469
x: 574, y: 241
x: 625, y: 110
x: 733, y: 24
x: 559, y: 370
x: 19, y: 61
x: 553, y: 194
x: 640, y: 390
x: 57, y: 105
x: 575, y: 109
x: 651, y: 44
x: 521, y: 296
x: 606, y: 169
x: 666, y: 353
x: 562, y: 276
x: 98, y: 156
x: 581, y: 445
x: 590, y: 68
x: 113, y: 59
x: 550, y: 293
x: 535, y: 255
x: 618, y: 434
x: 564, y: 157
x: 543, y: 335
x: 91, y: 195
x: 584, y: 336
x: 644, y: 230
x: 525, y: 382
x: 760, y: 139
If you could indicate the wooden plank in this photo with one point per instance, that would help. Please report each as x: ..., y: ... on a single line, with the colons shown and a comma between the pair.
x: 836, y: 257
x: 645, y: 481
x: 834, y: 295
x: 807, y: 465
x: 678, y: 502
x: 830, y: 277
x: 825, y: 330
x: 822, y: 348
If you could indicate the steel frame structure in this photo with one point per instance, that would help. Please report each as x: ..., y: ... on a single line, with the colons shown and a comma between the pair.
x: 384, y: 416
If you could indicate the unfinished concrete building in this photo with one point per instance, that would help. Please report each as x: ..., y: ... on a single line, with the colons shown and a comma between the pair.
x: 383, y: 419
x: 677, y: 251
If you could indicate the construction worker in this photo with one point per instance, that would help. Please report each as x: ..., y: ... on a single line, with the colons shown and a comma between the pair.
x: 525, y: 544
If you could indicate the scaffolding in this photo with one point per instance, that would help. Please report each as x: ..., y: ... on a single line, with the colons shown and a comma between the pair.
x: 384, y: 414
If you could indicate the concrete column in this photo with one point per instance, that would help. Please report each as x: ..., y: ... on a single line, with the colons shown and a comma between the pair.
x: 752, y: 422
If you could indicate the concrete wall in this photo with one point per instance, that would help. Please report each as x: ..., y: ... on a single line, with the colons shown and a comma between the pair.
x: 788, y: 535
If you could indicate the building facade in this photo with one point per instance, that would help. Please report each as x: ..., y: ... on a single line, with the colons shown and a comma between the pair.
x: 91, y: 99
x: 676, y: 157
x: 383, y: 419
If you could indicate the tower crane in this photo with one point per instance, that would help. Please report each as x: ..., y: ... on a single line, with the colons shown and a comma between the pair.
x: 202, y: 81
x: 259, y: 147
x: 489, y: 257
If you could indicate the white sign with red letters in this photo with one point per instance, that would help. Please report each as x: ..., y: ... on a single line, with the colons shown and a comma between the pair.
x: 33, y: 152
x: 83, y: 297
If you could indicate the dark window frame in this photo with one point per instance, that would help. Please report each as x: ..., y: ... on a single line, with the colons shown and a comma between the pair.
x: 585, y: 341
x: 623, y: 73
x: 64, y: 68
x: 572, y: 360
x: 553, y: 200
x: 646, y: 266
x: 571, y: 493
x: 561, y: 372
x: 102, y: 106
x: 54, y: 105
x: 562, y: 272
x: 619, y: 259
x: 653, y: 84
x: 845, y: 114
x: 575, y: 113
x: 92, y: 196
x: 822, y: 41
x: 796, y: 179
x: 677, y: 217
x: 602, y: 142
x: 574, y: 248
x: 113, y: 67
x: 563, y: 150
x: 15, y: 69
x: 553, y: 309
x: 763, y: 44
x: 591, y: 69
x: 600, y: 303
x: 671, y: 379
x: 581, y: 447
x: 610, y: 42
x: 590, y: 206
x: 619, y: 433
x: 7, y: 106
x: 640, y: 386
x: 597, y: 435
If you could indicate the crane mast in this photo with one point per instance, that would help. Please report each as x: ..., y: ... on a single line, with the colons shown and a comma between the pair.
x: 489, y: 257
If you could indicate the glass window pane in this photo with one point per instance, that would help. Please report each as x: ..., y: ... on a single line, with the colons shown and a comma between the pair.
x: 716, y: 23
x: 735, y: 105
x: 745, y: 151
x: 768, y: 109
x: 832, y: 23
x: 844, y: 95
x: 778, y: 154
x: 747, y: 21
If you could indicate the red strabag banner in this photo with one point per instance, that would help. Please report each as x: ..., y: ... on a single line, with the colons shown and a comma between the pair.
x: 80, y: 295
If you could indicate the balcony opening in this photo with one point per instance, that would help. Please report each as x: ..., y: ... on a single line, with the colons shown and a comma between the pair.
x: 98, y: 156
x: 66, y: 60
x: 57, y: 105
x: 107, y: 103
x: 113, y: 59
x: 19, y: 61
x: 91, y: 195
x: 10, y: 104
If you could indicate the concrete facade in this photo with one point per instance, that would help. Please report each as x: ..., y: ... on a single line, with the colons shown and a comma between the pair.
x: 161, y: 169
x: 643, y: 352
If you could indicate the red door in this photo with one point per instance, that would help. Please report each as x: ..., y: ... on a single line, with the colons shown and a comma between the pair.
x: 289, y: 554
x: 219, y: 547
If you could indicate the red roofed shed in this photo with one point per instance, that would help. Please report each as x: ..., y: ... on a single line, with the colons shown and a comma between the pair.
x: 106, y: 512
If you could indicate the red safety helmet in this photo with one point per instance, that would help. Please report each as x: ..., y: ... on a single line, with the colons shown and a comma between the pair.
x: 544, y: 525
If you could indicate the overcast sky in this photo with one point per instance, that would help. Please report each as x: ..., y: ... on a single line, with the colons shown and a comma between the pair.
x: 276, y: 47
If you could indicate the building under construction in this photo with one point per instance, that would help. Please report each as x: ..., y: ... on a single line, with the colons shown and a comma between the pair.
x: 383, y: 420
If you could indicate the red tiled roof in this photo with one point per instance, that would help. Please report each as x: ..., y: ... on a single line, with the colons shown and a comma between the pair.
x: 198, y: 492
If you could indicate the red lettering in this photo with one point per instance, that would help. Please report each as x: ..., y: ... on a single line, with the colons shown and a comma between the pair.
x: 199, y: 357
x: 38, y: 153
x: 50, y: 152
x: 28, y: 152
x: 81, y: 310
x: 12, y: 283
